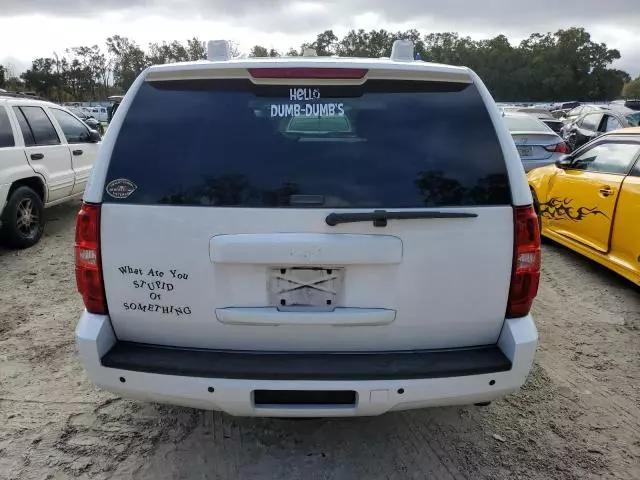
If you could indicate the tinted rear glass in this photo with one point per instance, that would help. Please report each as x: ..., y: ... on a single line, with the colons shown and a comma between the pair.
x: 42, y: 128
x: 381, y: 144
x: 27, y: 134
x: 6, y: 133
x: 554, y: 125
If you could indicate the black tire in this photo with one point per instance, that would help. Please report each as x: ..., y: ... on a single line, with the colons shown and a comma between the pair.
x: 24, y: 205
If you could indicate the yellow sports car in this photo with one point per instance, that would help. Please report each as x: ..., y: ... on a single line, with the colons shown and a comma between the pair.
x: 589, y: 201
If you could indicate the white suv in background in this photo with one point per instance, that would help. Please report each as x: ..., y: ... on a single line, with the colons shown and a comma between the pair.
x: 46, y: 156
x: 308, y: 237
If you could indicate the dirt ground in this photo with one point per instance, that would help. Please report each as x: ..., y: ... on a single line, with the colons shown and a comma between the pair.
x: 578, y: 417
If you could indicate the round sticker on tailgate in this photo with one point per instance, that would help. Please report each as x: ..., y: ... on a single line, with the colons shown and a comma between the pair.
x: 120, y: 188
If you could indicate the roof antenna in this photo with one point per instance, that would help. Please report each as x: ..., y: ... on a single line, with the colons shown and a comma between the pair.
x: 218, y: 50
x: 402, y: 51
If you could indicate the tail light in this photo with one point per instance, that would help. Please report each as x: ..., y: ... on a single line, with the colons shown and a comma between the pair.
x: 558, y: 148
x: 330, y: 73
x: 525, y: 274
x: 88, y: 265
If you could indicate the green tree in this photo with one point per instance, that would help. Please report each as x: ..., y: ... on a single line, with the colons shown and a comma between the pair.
x: 76, y: 79
x: 325, y: 44
x: 2, y: 76
x: 129, y: 60
x: 359, y: 43
x: 259, y: 52
x: 632, y: 89
x: 87, y: 69
x: 607, y: 83
x: 196, y: 49
x: 175, y: 51
x: 164, y: 52
x: 450, y: 48
x: 42, y: 77
x: 569, y: 65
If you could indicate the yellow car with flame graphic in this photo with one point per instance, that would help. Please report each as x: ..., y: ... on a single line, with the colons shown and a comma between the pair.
x: 589, y: 201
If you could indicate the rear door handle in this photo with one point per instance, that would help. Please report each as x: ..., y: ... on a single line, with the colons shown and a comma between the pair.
x: 37, y: 156
x: 77, y: 152
x: 606, y: 191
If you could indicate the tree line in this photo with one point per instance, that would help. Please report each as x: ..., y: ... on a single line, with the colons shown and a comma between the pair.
x: 565, y: 65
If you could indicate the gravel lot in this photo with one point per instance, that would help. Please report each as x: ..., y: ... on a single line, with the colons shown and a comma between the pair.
x: 578, y: 417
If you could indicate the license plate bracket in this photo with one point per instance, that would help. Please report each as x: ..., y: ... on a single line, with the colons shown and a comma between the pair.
x: 315, y: 287
x: 524, y: 151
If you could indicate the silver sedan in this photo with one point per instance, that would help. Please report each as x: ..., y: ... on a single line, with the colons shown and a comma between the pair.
x: 537, y: 144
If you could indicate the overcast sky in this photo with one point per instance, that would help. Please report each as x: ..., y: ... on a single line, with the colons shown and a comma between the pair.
x: 37, y: 28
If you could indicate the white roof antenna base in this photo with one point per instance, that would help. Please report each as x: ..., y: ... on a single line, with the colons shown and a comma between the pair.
x: 402, y: 51
x: 218, y: 50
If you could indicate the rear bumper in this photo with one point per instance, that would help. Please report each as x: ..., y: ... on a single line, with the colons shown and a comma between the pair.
x: 227, y: 381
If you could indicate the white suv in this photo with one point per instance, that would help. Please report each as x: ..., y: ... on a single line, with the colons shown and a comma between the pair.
x: 46, y: 156
x: 308, y: 237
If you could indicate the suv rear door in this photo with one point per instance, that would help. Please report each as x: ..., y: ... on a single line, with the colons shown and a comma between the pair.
x: 246, y: 213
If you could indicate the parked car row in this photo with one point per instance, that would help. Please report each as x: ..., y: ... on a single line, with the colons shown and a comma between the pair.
x: 538, y: 147
x: 593, y: 121
x: 585, y: 182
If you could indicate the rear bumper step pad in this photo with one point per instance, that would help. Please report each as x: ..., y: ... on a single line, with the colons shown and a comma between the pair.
x: 306, y: 366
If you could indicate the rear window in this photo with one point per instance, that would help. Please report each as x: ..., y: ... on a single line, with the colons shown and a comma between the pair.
x: 634, y: 119
x: 6, y: 133
x: 43, y: 131
x: 525, y: 124
x: 236, y: 144
x: 554, y: 125
x: 591, y: 121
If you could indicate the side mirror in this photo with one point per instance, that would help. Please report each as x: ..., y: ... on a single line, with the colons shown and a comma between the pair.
x: 94, y: 136
x: 564, y: 162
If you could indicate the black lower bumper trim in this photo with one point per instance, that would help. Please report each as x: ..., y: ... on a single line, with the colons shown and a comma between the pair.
x: 417, y: 364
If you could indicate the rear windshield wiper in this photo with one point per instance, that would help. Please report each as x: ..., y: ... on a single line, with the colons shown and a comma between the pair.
x: 380, y: 217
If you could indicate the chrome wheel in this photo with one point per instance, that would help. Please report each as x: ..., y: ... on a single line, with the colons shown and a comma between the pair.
x: 28, y: 218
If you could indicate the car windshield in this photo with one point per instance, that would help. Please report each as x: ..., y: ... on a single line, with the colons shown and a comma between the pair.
x: 384, y: 143
x: 525, y: 124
